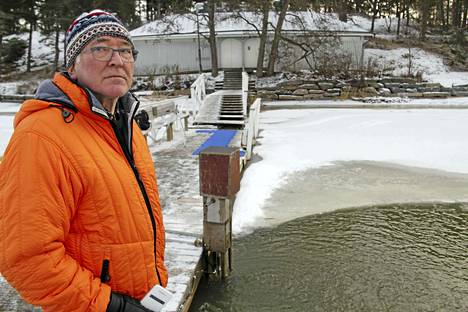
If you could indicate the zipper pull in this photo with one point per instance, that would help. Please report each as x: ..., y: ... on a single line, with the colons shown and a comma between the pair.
x: 105, y: 277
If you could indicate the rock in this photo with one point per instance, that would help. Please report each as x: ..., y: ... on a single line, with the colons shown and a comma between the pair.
x: 436, y: 94
x: 375, y: 85
x: 331, y: 95
x: 434, y: 89
x: 396, y: 89
x: 316, y: 92
x: 301, y: 92
x: 460, y: 93
x: 325, y: 85
x: 368, y: 91
x: 410, y: 95
x: 289, y: 87
x: 265, y: 92
x: 342, y: 85
x: 312, y: 97
x: 385, y: 92
x: 269, y: 96
x: 391, y: 85
x: 409, y: 90
x: 460, y: 88
x: 309, y: 86
x: 267, y: 88
x: 290, y: 97
x: 290, y: 83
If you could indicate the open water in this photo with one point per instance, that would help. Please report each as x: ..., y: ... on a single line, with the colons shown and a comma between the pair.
x: 379, y: 256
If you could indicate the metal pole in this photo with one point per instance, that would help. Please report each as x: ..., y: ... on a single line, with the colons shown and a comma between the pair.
x: 198, y: 38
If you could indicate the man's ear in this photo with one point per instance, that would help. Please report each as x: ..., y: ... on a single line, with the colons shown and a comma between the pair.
x: 72, y: 72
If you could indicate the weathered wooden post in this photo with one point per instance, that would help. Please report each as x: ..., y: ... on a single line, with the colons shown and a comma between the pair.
x: 219, y: 183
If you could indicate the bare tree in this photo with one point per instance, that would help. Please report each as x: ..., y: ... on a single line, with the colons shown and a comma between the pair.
x: 276, y: 38
x: 212, y: 37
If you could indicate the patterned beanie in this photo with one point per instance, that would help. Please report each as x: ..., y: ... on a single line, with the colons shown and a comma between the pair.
x: 89, y: 26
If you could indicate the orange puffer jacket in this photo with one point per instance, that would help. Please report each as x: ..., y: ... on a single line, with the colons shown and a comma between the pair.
x: 77, y: 218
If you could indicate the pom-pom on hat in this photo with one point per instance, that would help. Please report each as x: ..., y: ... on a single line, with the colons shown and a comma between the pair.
x: 89, y: 26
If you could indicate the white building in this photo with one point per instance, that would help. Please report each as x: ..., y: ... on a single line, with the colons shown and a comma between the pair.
x: 171, y: 45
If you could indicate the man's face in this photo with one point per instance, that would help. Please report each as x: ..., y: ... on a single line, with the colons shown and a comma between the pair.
x: 108, y: 80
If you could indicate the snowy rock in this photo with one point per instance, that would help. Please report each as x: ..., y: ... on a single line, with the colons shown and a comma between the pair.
x: 334, y: 90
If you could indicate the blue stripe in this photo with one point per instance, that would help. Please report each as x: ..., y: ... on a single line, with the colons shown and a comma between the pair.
x: 220, y: 138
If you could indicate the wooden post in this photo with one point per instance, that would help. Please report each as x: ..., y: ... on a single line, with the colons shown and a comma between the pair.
x: 219, y: 183
x: 170, y: 132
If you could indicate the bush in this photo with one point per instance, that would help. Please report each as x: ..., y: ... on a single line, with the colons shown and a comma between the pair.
x: 11, y: 51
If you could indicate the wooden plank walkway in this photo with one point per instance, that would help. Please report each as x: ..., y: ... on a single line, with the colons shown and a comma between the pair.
x: 209, y: 113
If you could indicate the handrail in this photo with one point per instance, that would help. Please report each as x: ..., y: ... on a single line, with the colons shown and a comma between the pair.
x: 245, y: 90
x: 198, y: 94
x: 253, y: 126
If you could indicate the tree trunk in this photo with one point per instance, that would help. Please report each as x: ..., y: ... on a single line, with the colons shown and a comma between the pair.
x: 57, y: 49
x: 375, y: 11
x: 263, y: 37
x: 343, y: 11
x: 447, y: 15
x: 211, y: 26
x: 424, y: 18
x: 398, y: 13
x: 276, y: 39
x: 465, y: 15
x: 456, y: 14
x: 28, y: 63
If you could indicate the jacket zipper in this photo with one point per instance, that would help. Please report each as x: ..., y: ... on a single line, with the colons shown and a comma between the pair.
x: 130, y: 161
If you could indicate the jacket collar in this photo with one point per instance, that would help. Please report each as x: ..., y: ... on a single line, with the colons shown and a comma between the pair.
x: 68, y: 93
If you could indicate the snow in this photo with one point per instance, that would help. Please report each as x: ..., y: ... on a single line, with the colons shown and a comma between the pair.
x: 295, y: 140
x: 42, y: 49
x: 10, y: 87
x: 186, y: 23
x: 6, y: 130
x: 384, y: 27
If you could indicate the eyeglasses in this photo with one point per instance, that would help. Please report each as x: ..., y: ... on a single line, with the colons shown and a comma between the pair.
x: 105, y: 54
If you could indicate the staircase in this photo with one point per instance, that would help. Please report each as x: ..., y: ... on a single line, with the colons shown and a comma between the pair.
x: 224, y: 107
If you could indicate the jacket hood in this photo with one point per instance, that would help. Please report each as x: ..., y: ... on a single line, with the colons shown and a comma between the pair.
x: 65, y: 93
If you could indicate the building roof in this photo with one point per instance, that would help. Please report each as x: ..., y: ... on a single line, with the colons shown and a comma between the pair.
x: 185, y: 25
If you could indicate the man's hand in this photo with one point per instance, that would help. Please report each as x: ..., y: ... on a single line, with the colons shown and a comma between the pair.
x: 122, y: 303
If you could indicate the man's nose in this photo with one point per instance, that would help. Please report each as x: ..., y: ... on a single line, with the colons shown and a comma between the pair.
x: 116, y: 59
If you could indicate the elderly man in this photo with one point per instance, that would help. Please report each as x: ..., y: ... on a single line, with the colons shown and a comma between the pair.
x: 80, y: 221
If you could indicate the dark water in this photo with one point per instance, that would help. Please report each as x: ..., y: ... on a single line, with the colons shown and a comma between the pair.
x: 402, y: 257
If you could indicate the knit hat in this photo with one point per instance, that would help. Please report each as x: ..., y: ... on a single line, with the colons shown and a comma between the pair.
x: 89, y: 26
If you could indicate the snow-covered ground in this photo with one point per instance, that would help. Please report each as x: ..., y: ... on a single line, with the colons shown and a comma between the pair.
x: 296, y: 140
x: 400, y: 62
